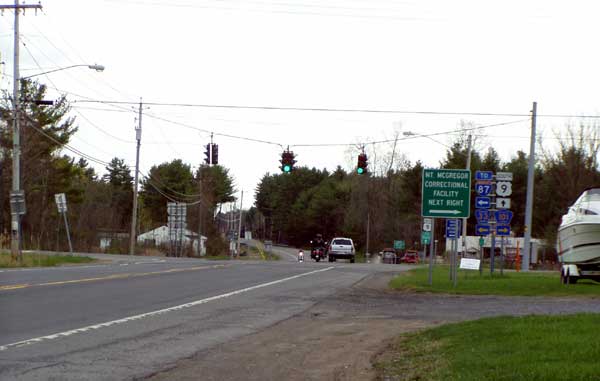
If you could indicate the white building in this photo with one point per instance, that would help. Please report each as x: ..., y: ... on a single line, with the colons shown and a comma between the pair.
x: 510, y: 244
x: 160, y: 237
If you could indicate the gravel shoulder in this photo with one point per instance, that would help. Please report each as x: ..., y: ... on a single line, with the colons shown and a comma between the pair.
x: 339, y: 338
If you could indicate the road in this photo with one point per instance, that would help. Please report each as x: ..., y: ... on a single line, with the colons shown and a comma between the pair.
x: 136, y: 316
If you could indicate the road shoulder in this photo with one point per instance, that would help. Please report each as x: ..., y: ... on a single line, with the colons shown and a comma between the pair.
x: 340, y: 338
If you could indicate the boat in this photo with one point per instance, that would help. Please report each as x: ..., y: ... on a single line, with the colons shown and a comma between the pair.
x: 578, y: 240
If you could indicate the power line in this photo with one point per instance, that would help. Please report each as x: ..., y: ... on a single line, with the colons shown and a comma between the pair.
x: 345, y: 110
x: 412, y: 136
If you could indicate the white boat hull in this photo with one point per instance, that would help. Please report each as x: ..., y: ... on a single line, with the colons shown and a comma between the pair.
x: 579, y: 242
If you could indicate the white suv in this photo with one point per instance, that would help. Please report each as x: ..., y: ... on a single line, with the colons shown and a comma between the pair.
x: 341, y: 247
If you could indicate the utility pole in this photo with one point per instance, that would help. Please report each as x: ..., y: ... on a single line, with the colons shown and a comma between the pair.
x: 138, y: 137
x: 368, y: 235
x: 240, y: 225
x: 464, y: 226
x: 200, y: 210
x: 529, y: 201
x: 17, y: 195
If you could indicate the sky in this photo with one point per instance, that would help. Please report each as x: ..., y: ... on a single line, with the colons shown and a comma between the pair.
x: 437, y: 56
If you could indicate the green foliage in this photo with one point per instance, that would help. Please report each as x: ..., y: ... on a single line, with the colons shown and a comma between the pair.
x: 41, y: 260
x: 120, y: 185
x: 511, y: 283
x: 44, y: 171
x: 540, y: 348
x: 217, y: 184
x: 173, y: 178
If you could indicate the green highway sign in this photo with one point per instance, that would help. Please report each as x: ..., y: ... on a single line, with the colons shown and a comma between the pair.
x: 425, y: 237
x: 399, y: 245
x: 446, y: 193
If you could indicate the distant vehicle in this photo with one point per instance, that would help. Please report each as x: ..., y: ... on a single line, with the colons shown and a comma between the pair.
x: 578, y: 241
x: 317, y: 253
x: 389, y: 256
x: 410, y: 256
x: 341, y: 248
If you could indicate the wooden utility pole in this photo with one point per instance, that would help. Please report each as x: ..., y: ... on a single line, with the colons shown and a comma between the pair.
x: 17, y: 195
x: 529, y: 199
x: 138, y: 137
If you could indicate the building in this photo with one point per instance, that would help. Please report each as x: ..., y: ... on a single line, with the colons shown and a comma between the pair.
x: 160, y: 237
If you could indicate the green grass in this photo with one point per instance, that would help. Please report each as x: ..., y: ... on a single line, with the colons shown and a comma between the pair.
x: 511, y: 283
x: 503, y: 348
x: 42, y: 260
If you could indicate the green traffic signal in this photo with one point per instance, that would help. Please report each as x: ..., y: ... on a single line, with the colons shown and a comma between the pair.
x: 360, y: 171
x: 287, y: 168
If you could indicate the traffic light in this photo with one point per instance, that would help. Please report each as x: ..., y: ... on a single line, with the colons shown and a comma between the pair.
x: 362, y: 164
x: 207, y: 155
x: 287, y: 161
x: 215, y: 154
x: 211, y: 155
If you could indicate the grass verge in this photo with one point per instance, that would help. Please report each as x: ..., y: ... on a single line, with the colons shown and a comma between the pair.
x: 502, y: 348
x: 511, y: 283
x: 41, y: 260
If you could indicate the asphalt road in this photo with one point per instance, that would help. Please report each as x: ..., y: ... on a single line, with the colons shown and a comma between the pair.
x: 135, y: 316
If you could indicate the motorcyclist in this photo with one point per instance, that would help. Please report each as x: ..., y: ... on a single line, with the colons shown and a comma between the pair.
x: 318, y: 242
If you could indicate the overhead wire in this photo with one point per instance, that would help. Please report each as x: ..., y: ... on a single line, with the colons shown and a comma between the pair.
x: 79, y: 113
x: 290, y: 11
x: 341, y: 110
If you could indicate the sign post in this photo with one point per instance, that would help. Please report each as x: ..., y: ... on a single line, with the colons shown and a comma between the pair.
x: 431, y: 253
x: 61, y: 205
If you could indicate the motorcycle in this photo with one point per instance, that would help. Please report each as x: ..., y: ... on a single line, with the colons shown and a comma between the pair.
x: 300, y: 256
x: 317, y: 254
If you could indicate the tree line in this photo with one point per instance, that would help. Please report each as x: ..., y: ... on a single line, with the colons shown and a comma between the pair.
x: 289, y: 208
x: 292, y: 208
x: 98, y: 205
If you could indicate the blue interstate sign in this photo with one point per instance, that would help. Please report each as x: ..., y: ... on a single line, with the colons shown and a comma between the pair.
x: 483, y: 189
x: 502, y: 230
x: 484, y: 175
x: 504, y: 217
x: 482, y: 215
x: 482, y: 229
x: 482, y: 202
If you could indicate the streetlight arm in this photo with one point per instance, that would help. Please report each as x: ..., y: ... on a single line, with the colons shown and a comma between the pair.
x: 410, y: 133
x: 93, y: 67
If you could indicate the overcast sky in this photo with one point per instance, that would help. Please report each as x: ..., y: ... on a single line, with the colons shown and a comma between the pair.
x: 442, y: 56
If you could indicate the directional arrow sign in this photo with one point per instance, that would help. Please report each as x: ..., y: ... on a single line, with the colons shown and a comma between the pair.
x: 502, y: 230
x: 482, y: 202
x: 482, y: 229
x: 446, y: 193
x: 502, y: 203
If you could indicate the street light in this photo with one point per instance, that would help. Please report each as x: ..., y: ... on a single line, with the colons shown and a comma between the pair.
x: 92, y: 67
x: 17, y: 195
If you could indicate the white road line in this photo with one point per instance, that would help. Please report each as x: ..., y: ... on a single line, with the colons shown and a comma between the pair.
x: 153, y: 313
x: 150, y: 262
